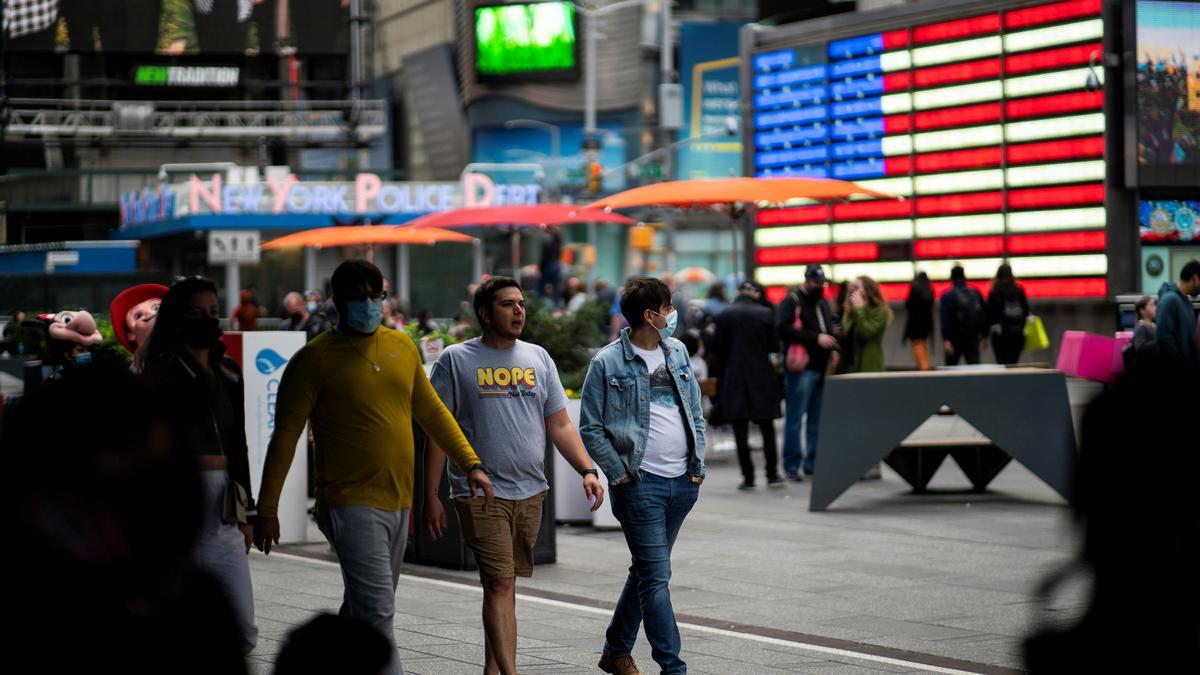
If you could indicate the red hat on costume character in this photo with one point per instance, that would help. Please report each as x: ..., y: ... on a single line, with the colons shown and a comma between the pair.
x: 129, y: 298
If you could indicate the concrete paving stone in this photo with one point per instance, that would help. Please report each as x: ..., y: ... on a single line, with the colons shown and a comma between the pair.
x: 891, y: 627
x: 271, y: 628
x: 307, y: 601
x: 259, y: 668
x: 414, y: 640
x: 294, y: 616
x: 893, y: 571
x: 266, y: 647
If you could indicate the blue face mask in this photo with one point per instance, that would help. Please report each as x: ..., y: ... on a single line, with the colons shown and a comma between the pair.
x: 83, y: 358
x: 364, y: 316
x: 669, y: 330
x: 312, y: 306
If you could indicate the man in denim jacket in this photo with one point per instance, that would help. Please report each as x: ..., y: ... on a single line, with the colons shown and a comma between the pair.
x: 641, y: 423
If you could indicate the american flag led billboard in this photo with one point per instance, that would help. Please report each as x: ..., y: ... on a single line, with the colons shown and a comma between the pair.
x: 982, y: 123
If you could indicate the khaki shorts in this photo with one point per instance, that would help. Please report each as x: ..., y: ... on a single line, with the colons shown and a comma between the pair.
x: 502, y: 539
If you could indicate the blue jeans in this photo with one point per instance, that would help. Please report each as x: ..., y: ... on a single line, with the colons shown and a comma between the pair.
x: 804, y: 392
x: 651, y: 511
x: 370, y: 544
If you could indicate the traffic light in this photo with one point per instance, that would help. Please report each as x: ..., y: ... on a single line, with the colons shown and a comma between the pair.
x: 595, y: 177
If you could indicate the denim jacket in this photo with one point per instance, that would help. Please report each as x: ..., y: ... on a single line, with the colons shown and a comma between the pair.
x: 615, y: 410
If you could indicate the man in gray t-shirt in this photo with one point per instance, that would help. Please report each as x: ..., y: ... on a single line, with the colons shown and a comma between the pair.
x: 507, y: 397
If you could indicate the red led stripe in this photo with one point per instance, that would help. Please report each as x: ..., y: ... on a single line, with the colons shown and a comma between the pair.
x: 1064, y: 242
x: 1054, y: 104
x: 897, y: 124
x: 896, y: 81
x: 776, y: 294
x: 1065, y: 288
x: 954, y: 117
x: 798, y: 215
x: 790, y: 255
x: 934, y: 162
x: 968, y: 203
x: 957, y: 72
x: 940, y: 287
x: 844, y: 252
x: 894, y: 39
x: 959, y: 28
x: 897, y: 166
x: 1047, y: 151
x: 1035, y: 16
x: 1068, y: 195
x: 1050, y: 59
x: 883, y: 208
x: 958, y: 247
x: 894, y: 292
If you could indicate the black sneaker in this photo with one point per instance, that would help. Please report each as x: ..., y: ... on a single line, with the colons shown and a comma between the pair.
x: 776, y: 482
x: 746, y: 486
x: 795, y: 477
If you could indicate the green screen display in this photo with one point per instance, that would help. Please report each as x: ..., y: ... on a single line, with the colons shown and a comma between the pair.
x: 526, y: 38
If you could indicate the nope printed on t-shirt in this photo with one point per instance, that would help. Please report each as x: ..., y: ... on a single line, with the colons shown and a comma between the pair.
x: 501, y: 399
x: 506, y: 381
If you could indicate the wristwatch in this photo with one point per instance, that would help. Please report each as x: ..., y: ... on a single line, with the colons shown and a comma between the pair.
x: 591, y: 471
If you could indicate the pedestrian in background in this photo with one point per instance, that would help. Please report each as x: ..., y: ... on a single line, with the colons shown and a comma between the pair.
x: 245, y: 316
x: 641, y: 422
x: 1176, y: 332
x: 506, y: 418
x: 918, y: 324
x: 362, y: 386
x: 299, y: 317
x: 745, y: 339
x: 865, y: 318
x: 550, y: 265
x: 964, y: 324
x: 714, y: 301
x: 1007, y: 310
x: 805, y: 388
x: 201, y: 387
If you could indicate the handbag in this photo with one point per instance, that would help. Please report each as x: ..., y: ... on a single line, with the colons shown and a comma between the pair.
x: 1035, y: 334
x: 797, y: 357
x: 235, y: 502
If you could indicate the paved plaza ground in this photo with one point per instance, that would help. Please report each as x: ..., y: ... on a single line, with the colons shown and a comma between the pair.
x: 886, y: 580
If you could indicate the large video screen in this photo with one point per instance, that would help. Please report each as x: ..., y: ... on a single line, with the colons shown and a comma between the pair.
x: 1169, y: 221
x: 1168, y: 93
x: 981, y: 122
x: 178, y: 26
x: 525, y: 39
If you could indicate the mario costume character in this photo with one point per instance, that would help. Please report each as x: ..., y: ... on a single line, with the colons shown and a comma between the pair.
x: 133, y: 314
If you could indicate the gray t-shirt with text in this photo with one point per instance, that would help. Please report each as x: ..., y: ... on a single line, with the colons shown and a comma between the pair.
x: 501, y: 399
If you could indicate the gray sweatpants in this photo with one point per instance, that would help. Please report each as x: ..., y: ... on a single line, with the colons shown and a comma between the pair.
x: 221, y: 551
x: 369, y: 544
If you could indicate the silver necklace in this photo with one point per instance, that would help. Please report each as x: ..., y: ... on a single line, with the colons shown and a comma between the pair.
x: 374, y: 364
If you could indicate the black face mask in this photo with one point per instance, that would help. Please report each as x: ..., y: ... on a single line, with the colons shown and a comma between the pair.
x: 817, y: 292
x: 296, y: 317
x: 200, y: 332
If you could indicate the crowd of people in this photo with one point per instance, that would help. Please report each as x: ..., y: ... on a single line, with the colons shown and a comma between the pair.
x: 172, y: 456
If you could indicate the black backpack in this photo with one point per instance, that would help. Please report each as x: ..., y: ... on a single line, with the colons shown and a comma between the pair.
x: 968, y: 311
x: 1012, y: 317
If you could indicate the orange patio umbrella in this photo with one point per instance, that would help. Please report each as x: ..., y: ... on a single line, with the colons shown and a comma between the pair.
x: 706, y: 192
x: 368, y: 235
x: 522, y: 215
x: 517, y: 216
x: 715, y: 191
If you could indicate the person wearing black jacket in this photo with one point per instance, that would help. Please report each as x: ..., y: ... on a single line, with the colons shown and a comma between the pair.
x: 919, y: 324
x: 804, y: 389
x: 964, y: 324
x: 1007, y: 309
x: 186, y: 366
x: 745, y: 338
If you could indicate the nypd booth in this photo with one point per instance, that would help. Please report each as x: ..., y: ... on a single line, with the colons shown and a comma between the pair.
x: 215, y: 223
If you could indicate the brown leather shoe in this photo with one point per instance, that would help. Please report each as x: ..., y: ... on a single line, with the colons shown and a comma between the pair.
x: 618, y: 665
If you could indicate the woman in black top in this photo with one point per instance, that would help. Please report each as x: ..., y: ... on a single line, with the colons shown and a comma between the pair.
x: 185, y: 363
x: 919, y: 324
x: 1007, y: 309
